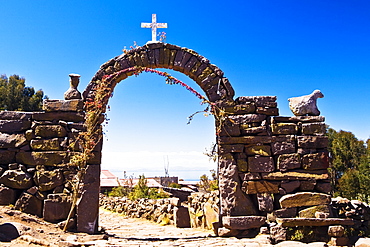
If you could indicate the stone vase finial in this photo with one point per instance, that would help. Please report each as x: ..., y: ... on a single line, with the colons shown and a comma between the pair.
x: 72, y: 92
x: 305, y: 105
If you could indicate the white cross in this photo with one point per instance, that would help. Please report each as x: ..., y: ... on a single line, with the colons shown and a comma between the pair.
x: 154, y: 25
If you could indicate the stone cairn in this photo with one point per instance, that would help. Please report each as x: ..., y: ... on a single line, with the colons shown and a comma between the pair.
x: 34, y: 155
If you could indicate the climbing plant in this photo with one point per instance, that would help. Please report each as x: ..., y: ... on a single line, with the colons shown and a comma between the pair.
x: 95, y: 114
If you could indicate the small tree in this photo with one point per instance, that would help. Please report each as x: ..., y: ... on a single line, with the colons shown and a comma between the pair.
x: 141, y: 190
x: 209, y: 184
x: 15, y: 96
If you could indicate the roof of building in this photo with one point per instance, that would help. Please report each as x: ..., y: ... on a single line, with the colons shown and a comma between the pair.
x: 151, y: 183
x: 107, y: 175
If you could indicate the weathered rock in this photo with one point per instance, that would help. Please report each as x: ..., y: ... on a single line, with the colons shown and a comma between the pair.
x: 311, y: 211
x: 312, y: 142
x: 296, y: 175
x: 7, y: 195
x: 64, y: 116
x: 7, y: 157
x: 291, y: 222
x: 181, y: 217
x: 284, y: 129
x: 238, y: 148
x: 323, y: 187
x: 258, y: 100
x: 265, y: 202
x: 336, y: 231
x: 56, y: 207
x: 242, y: 165
x: 290, y: 186
x: 243, y: 222
x: 305, y: 105
x: 339, y: 241
x: 47, y: 158
x: 8, y: 232
x: 250, y: 176
x: 11, y: 141
x: 313, y: 128
x: 11, y: 126
x: 260, y: 164
x: 263, y: 150
x: 247, y: 118
x: 46, y: 145
x: 29, y: 204
x: 211, y: 215
x: 225, y: 232
x: 285, y: 213
x: 48, y: 180
x: 72, y: 92
x: 63, y: 105
x: 302, y: 199
x: 307, y: 185
x: 283, y: 148
x: 317, y: 161
x: 50, y: 131
x: 255, y: 187
x: 278, y: 234
x: 288, y: 162
x: 16, y: 179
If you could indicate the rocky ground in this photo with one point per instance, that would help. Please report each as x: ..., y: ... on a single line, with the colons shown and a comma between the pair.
x: 118, y: 230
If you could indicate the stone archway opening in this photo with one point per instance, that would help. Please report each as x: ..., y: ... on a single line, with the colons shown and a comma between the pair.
x: 155, y: 115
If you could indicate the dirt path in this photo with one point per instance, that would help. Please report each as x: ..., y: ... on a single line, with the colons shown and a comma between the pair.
x: 121, y: 231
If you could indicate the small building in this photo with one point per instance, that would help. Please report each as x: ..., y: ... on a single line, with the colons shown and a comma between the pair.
x: 108, y: 181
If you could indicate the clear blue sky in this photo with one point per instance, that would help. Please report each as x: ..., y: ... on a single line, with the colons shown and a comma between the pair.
x: 284, y: 48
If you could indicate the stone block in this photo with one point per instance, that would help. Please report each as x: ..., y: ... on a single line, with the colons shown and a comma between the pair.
x: 339, y: 241
x: 16, y: 179
x: 317, y: 161
x: 314, y: 128
x: 7, y: 157
x: 283, y: 148
x: 260, y: 164
x: 312, y: 142
x: 311, y: 211
x: 265, y: 202
x: 288, y: 162
x: 45, y: 145
x: 297, y: 119
x: 290, y: 186
x: 181, y: 217
x: 11, y: 126
x: 12, y: 140
x: 285, y: 213
x: 245, y: 140
x: 48, y: 180
x: 47, y: 158
x: 336, y: 231
x: 307, y: 185
x: 229, y: 129
x: 278, y: 234
x: 243, y: 222
x: 241, y: 109
x: 7, y: 195
x: 64, y: 116
x: 302, y: 199
x: 258, y: 100
x: 237, y: 148
x: 250, y: 176
x: 15, y: 115
x: 242, y: 165
x: 263, y: 150
x: 75, y: 105
x: 269, y: 111
x: 247, y: 118
x: 323, y: 187
x: 245, y: 129
x: 56, y: 207
x: 297, y: 175
x: 255, y: 187
x: 292, y: 222
x: 284, y: 128
x: 29, y: 204
x: 50, y: 131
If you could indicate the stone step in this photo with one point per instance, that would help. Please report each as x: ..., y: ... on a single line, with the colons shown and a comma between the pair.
x: 291, y: 222
x: 243, y: 222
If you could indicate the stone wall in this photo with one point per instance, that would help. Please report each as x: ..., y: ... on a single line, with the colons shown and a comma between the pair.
x: 34, y: 155
x: 199, y: 211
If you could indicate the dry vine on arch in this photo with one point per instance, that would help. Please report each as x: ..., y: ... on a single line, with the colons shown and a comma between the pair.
x: 95, y: 114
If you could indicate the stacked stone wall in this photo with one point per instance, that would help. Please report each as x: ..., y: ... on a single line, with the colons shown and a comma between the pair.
x: 34, y: 156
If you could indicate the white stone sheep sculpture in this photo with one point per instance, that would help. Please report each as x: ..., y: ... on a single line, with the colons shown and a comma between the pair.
x: 305, y: 105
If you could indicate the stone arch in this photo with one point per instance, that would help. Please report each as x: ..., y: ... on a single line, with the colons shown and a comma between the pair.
x: 160, y: 55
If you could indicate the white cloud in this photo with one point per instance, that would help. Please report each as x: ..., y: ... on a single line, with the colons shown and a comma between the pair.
x: 186, y: 165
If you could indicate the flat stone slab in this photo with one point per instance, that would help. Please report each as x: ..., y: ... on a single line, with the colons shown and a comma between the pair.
x: 243, y: 222
x: 302, y: 199
x: 291, y: 222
